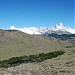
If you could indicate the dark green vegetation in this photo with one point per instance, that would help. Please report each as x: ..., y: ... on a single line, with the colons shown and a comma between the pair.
x: 68, y: 39
x: 62, y: 36
x: 31, y: 58
x: 69, y: 46
x: 11, y: 30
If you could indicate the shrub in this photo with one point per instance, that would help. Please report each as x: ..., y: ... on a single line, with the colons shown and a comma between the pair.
x: 31, y: 58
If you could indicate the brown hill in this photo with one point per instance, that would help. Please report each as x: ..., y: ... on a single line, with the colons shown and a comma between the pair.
x: 16, y: 43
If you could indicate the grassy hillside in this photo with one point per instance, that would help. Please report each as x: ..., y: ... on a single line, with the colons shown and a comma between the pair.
x: 14, y: 61
x: 16, y: 43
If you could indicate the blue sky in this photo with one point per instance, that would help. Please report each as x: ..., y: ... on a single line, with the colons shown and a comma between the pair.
x: 36, y: 13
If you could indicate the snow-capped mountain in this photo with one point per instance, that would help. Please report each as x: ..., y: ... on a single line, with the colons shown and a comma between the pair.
x: 29, y: 30
x: 59, y: 29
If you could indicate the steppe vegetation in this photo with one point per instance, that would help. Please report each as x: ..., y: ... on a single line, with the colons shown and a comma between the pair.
x: 31, y: 58
x: 56, y: 55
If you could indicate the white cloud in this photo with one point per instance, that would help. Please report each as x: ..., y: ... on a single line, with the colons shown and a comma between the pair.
x: 29, y: 30
x: 14, y: 28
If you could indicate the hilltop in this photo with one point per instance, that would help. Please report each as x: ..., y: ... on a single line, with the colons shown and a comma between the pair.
x: 14, y: 43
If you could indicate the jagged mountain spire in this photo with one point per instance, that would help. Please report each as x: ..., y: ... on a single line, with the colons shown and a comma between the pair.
x: 59, y: 27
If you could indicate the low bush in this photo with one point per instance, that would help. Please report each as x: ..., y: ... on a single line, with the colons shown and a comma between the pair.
x: 14, y: 61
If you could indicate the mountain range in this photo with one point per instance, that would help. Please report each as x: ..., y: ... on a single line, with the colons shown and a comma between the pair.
x: 58, y: 29
x: 17, y: 42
